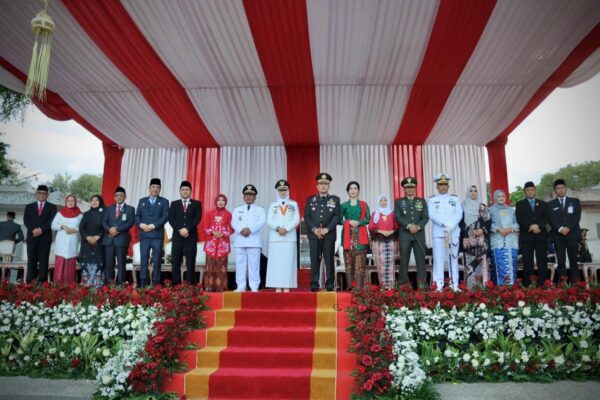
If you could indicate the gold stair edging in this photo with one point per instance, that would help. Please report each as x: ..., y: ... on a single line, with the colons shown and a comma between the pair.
x: 207, y: 359
x: 324, y: 368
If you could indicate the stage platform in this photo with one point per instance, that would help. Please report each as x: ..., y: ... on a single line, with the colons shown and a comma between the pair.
x: 269, y: 345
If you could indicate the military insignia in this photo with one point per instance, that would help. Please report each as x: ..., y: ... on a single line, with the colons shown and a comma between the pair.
x: 331, y: 203
x: 323, y: 176
x: 281, y: 183
x: 403, y: 203
x: 249, y: 187
x: 409, y: 180
x: 452, y: 203
x: 419, y: 206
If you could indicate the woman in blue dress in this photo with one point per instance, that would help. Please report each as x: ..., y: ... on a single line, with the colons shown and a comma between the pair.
x: 504, y: 241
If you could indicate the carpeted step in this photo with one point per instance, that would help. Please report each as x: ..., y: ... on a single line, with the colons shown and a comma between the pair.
x: 266, y: 383
x: 279, y: 301
x: 260, y: 357
x: 273, y: 318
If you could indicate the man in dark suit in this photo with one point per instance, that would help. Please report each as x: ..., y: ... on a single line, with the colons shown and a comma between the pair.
x: 184, y: 217
x: 532, y: 217
x: 151, y: 216
x: 38, y: 220
x: 322, y: 215
x: 565, y: 214
x: 412, y: 215
x: 117, y: 221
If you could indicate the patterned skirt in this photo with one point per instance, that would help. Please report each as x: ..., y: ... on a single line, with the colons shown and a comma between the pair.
x: 215, y: 276
x: 505, y: 263
x: 384, y: 253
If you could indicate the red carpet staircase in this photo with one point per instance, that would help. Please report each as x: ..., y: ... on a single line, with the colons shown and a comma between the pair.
x: 268, y: 346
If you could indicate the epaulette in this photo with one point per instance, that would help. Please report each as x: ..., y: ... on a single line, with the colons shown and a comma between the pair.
x: 432, y: 196
x: 454, y: 195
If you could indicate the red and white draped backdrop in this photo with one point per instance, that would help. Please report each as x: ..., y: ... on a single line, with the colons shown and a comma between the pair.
x: 353, y: 87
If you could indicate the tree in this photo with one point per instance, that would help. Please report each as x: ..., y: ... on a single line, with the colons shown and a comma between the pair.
x: 13, y: 105
x: 9, y: 168
x: 86, y: 186
x: 83, y: 187
x: 577, y: 176
x: 62, y: 183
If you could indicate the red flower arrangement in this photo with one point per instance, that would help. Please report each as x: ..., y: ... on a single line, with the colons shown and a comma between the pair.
x: 373, y: 344
x: 179, y: 307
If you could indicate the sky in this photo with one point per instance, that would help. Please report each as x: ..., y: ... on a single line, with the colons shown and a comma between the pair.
x: 564, y: 129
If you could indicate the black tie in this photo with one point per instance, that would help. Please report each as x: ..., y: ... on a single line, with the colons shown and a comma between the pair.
x: 562, y: 204
x: 248, y: 208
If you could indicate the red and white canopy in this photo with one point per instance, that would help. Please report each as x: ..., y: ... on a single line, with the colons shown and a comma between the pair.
x: 318, y: 83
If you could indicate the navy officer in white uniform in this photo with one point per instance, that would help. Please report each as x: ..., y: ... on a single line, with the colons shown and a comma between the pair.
x: 247, y: 221
x: 445, y: 212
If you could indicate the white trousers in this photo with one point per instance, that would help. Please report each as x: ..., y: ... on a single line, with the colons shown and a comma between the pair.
x: 440, y: 257
x: 247, y: 264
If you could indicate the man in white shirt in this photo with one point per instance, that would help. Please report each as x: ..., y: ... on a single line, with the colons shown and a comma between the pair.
x: 247, y: 221
x: 445, y: 212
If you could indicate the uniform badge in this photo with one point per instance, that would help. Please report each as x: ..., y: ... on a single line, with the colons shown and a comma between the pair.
x: 419, y: 206
x: 452, y: 203
x: 331, y: 203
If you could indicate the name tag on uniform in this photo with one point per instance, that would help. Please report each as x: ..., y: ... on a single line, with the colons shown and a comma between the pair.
x: 570, y: 210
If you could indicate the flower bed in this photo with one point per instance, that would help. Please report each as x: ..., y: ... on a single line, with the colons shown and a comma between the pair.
x: 404, y: 340
x: 127, y: 339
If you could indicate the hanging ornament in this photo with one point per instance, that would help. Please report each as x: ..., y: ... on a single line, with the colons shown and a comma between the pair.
x: 37, y: 78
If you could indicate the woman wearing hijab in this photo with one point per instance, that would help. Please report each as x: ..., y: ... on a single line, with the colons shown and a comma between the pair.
x: 91, y: 255
x: 355, y: 238
x: 217, y: 248
x: 66, y: 244
x: 283, y: 218
x: 504, y: 241
x: 383, y: 227
x: 476, y: 225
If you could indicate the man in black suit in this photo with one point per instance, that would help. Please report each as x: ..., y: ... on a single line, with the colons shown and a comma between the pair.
x: 38, y: 220
x: 322, y: 215
x: 565, y: 214
x: 532, y: 217
x: 151, y: 215
x: 118, y: 220
x: 184, y: 217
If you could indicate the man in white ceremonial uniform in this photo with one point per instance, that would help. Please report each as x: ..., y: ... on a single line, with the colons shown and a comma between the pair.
x: 247, y: 221
x: 445, y: 212
x: 283, y: 218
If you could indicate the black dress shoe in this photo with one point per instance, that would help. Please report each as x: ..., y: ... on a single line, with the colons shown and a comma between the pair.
x: 314, y: 289
x: 330, y: 289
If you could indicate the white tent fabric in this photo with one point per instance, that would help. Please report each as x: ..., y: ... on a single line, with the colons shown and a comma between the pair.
x: 369, y: 165
x: 141, y: 165
x: 518, y: 50
x: 10, y: 81
x: 365, y: 56
x: 218, y: 66
x: 261, y: 166
x: 587, y: 70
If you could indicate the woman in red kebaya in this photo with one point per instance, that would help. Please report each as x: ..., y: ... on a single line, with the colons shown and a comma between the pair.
x: 217, y: 248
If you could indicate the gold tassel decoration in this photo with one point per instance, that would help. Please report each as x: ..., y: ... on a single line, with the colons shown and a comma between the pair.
x: 42, y: 26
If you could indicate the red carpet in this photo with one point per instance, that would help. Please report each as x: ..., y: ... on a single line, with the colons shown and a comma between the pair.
x: 269, y: 346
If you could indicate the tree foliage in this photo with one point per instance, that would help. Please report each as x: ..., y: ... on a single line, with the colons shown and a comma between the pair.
x: 83, y: 187
x: 577, y: 176
x: 13, y: 105
x: 9, y: 168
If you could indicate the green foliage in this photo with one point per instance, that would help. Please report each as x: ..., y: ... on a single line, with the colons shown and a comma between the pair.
x: 13, y: 105
x: 83, y: 187
x: 9, y: 168
x: 577, y: 176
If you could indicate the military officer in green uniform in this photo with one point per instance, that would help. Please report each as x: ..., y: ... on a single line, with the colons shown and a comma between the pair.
x: 322, y: 215
x: 411, y: 213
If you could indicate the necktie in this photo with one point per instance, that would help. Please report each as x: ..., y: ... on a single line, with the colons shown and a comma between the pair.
x: 184, y: 205
x: 152, y: 200
x: 40, y: 208
x: 562, y: 204
x: 248, y: 208
x: 118, y: 210
x: 532, y: 203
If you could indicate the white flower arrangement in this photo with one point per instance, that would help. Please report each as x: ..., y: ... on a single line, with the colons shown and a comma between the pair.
x: 565, y: 335
x: 29, y: 331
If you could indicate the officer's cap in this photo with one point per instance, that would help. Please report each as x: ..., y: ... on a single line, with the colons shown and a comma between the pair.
x: 409, y: 182
x: 442, y: 178
x: 250, y: 189
x: 282, y: 184
x: 324, y: 177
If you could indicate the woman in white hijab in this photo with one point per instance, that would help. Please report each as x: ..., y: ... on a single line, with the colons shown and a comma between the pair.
x: 476, y: 225
x: 283, y: 218
x: 383, y: 228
